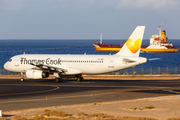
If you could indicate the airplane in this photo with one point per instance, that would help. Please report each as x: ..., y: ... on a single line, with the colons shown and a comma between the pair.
x: 39, y: 66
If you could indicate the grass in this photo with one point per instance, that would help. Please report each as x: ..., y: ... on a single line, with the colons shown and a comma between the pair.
x: 134, y: 108
x: 19, y: 118
x: 149, y: 107
x: 81, y: 114
x: 101, y: 116
x: 97, y: 104
x: 61, y: 115
x: 2, y: 118
x: 55, y: 113
x: 173, y: 119
x: 38, y: 117
x: 136, y: 118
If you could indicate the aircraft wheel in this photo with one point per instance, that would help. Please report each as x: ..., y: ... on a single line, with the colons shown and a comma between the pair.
x: 79, y: 79
x: 22, y: 77
x: 82, y: 79
x: 57, y: 80
x: 60, y: 79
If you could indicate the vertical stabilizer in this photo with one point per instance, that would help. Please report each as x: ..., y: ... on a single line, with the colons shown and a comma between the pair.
x: 133, y: 44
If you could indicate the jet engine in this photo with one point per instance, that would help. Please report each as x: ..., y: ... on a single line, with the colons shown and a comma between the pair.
x: 36, y: 74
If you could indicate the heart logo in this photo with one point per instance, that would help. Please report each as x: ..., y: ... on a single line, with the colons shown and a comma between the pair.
x: 134, y: 46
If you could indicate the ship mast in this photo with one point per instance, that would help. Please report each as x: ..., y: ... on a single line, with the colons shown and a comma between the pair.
x: 101, y: 38
x: 160, y: 28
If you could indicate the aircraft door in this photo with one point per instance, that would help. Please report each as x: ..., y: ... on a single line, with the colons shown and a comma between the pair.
x: 111, y: 62
x: 16, y: 62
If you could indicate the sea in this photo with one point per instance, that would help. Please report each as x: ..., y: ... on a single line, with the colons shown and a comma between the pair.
x: 10, y: 48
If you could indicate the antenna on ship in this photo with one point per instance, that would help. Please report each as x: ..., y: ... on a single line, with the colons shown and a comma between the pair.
x: 160, y: 28
x: 101, y: 38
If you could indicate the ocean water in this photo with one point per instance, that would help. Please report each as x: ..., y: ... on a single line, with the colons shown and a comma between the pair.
x: 9, y: 48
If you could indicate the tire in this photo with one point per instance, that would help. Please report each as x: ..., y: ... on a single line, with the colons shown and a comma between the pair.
x: 78, y: 79
x: 56, y: 80
x: 82, y: 79
x: 60, y: 79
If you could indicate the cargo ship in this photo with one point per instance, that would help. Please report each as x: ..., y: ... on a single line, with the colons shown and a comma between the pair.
x: 101, y: 47
x: 158, y: 44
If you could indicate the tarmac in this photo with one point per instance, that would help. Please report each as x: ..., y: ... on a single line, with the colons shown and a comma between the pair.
x: 113, y: 95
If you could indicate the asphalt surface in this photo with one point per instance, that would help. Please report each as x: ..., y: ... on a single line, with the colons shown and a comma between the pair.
x: 16, y: 95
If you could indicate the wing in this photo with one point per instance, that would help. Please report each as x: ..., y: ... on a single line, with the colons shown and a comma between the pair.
x: 49, y: 68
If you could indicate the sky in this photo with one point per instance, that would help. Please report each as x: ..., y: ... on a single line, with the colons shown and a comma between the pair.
x: 87, y: 19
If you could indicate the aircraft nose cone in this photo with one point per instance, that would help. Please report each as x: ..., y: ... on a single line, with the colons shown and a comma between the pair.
x: 6, y: 66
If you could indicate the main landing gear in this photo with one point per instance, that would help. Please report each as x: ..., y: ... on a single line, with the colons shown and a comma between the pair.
x: 79, y: 78
x: 58, y: 79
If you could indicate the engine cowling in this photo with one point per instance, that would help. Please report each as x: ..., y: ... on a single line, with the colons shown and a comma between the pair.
x: 36, y: 74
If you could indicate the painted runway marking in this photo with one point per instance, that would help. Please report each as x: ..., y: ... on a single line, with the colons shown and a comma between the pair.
x: 109, y: 86
x: 172, y: 91
x: 60, y: 97
x: 56, y: 88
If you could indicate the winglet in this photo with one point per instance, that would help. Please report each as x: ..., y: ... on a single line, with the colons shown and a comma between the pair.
x: 133, y: 44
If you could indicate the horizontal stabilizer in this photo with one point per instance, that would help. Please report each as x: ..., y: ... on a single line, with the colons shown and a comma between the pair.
x: 125, y: 60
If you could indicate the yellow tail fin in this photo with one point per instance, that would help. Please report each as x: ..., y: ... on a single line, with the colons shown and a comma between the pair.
x: 133, y: 44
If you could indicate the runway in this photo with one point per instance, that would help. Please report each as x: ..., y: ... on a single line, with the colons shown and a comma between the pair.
x: 16, y: 95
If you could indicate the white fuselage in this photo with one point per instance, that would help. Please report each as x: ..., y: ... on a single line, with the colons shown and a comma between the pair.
x: 85, y: 64
x: 37, y: 66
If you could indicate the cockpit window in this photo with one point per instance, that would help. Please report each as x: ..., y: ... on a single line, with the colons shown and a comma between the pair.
x: 10, y: 60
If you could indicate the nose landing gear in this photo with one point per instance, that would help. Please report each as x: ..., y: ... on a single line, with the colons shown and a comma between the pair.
x: 22, y: 77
